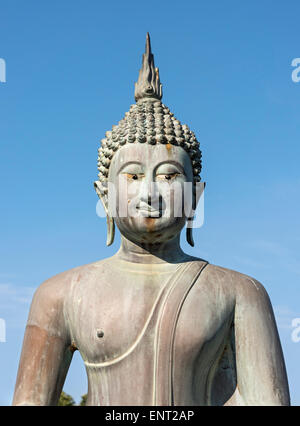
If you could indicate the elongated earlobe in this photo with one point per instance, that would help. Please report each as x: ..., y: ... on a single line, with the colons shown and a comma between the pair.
x: 197, y: 192
x: 189, y: 223
x: 189, y: 232
x: 110, y: 230
x: 109, y: 220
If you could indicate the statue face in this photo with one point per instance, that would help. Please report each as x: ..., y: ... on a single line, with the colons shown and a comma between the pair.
x: 148, y: 191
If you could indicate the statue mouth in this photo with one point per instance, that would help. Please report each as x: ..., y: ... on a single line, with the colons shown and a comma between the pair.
x: 149, y: 211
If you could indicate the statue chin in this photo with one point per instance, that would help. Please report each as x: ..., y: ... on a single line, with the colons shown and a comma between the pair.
x: 149, y: 229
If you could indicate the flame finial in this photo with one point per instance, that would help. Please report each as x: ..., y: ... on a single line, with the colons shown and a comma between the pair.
x: 148, y: 84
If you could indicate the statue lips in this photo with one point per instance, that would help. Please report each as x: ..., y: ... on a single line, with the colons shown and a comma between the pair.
x: 147, y: 211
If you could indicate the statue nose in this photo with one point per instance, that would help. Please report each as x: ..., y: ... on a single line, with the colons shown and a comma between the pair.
x: 149, y: 193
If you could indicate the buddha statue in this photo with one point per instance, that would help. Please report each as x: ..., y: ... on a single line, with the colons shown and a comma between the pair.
x: 154, y: 326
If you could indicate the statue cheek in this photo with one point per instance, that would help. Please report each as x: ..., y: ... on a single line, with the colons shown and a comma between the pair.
x: 133, y: 190
x: 125, y: 192
x: 172, y: 196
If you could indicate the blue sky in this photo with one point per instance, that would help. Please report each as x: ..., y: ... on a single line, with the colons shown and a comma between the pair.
x: 226, y: 72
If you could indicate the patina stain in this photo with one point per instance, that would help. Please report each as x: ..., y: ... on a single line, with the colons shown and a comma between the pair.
x: 150, y: 223
x: 169, y: 147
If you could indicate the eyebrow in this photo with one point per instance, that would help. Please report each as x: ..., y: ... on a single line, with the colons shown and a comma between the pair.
x: 174, y: 163
x: 137, y: 163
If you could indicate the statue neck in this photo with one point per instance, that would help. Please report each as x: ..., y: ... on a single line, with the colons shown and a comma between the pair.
x: 168, y: 252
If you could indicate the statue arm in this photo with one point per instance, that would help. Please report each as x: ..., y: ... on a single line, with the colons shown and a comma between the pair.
x: 46, y: 352
x: 261, y: 374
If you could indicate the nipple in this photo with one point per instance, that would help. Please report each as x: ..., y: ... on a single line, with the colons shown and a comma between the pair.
x: 100, y: 334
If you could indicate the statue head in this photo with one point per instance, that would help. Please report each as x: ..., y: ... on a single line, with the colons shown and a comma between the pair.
x: 147, y: 164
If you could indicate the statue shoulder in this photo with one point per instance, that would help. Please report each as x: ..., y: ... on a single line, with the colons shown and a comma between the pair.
x: 47, y: 310
x: 57, y: 288
x: 242, y: 285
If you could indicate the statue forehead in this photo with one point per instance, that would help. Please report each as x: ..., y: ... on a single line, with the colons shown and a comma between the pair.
x: 150, y: 156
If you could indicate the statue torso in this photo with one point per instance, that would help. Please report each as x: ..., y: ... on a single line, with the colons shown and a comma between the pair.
x: 113, y: 310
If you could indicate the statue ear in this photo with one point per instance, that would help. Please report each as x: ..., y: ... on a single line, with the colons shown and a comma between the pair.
x: 109, y: 220
x: 197, y: 192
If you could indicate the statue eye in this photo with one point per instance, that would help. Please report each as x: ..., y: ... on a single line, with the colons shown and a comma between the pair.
x: 132, y: 176
x: 165, y: 176
x: 168, y: 176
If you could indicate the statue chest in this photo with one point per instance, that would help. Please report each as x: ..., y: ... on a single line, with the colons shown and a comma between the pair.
x: 110, y: 319
x: 127, y: 334
x: 114, y: 318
